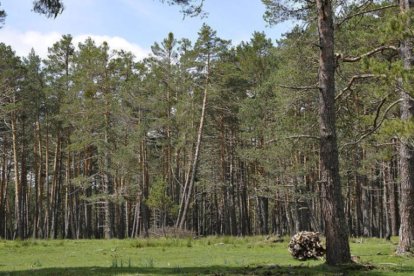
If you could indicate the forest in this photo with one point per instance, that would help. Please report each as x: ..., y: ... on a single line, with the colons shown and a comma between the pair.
x: 211, y: 137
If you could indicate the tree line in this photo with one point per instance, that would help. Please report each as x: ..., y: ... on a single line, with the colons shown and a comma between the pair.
x: 212, y: 137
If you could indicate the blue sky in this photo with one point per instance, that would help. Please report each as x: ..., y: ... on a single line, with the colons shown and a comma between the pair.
x: 130, y: 24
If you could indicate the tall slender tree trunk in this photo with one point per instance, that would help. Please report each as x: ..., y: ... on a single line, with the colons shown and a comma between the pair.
x: 232, y: 196
x: 393, y: 197
x: 47, y: 209
x: 54, y: 192
x: 108, y: 183
x: 336, y: 231
x: 17, y: 188
x: 145, y: 190
x: 68, y: 200
x: 39, y: 181
x: 3, y: 188
x: 24, y: 207
x: 387, y: 179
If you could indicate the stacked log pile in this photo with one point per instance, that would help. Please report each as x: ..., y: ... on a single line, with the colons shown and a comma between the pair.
x: 306, y: 245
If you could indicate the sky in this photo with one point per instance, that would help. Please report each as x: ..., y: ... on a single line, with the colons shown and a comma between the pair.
x: 132, y: 25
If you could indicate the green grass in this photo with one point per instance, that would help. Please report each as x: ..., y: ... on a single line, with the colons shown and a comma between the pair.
x: 206, y: 256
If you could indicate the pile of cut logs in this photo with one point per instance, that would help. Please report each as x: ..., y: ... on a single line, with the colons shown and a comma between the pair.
x: 306, y: 245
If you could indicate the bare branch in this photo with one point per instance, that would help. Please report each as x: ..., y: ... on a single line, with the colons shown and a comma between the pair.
x: 375, y: 126
x: 300, y: 87
x: 355, y: 78
x: 368, y: 54
x: 378, y: 111
x: 364, y: 12
x: 299, y: 136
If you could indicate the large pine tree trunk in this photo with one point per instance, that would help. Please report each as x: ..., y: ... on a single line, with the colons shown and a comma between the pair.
x: 406, y: 149
x: 337, y: 246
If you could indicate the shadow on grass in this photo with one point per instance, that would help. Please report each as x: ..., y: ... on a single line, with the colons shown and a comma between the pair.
x: 219, y: 270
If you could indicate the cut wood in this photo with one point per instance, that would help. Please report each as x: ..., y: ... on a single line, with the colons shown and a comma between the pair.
x: 306, y: 245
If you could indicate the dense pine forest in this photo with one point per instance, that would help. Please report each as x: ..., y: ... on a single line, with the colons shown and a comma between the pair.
x: 207, y: 136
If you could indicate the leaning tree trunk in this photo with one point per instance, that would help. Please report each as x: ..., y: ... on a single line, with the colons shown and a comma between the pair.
x: 337, y: 246
x: 188, y: 187
x: 189, y: 183
x: 406, y: 149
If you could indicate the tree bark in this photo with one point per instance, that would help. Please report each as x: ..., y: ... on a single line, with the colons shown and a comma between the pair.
x: 406, y: 149
x: 337, y: 246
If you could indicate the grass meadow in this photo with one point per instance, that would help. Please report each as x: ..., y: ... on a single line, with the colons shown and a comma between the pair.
x: 204, y: 256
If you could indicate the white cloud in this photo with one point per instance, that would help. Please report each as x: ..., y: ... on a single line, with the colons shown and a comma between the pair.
x: 23, y: 42
x: 115, y: 43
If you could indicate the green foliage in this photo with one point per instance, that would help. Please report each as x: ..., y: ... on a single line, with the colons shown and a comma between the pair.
x: 278, y: 11
x: 50, y: 8
x: 159, y: 198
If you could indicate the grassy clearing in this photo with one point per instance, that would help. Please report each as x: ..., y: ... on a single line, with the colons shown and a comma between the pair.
x: 206, y: 256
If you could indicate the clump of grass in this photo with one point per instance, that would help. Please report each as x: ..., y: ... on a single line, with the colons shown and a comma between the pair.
x: 37, y: 263
x: 149, y: 263
x: 119, y: 263
x: 226, y: 239
x: 114, y: 263
x: 177, y: 270
x: 189, y: 242
x: 60, y: 243
x: 160, y: 242
x: 25, y: 243
x: 137, y: 244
